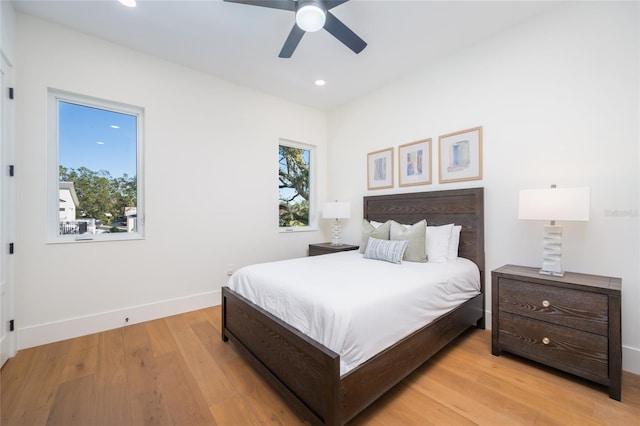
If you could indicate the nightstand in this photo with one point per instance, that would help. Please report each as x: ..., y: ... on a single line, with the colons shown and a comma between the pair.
x: 572, y: 323
x: 326, y: 248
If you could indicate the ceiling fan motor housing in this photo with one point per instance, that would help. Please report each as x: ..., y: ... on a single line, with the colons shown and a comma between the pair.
x: 310, y: 15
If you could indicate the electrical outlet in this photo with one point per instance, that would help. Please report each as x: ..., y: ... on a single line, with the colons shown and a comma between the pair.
x: 230, y: 269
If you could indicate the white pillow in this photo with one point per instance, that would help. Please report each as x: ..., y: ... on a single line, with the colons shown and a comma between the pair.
x: 437, y: 243
x: 387, y: 250
x: 454, y: 242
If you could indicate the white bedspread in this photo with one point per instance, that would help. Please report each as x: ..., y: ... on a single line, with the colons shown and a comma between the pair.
x: 354, y: 306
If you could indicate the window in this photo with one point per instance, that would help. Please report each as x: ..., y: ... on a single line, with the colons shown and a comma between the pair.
x: 94, y: 169
x: 295, y: 186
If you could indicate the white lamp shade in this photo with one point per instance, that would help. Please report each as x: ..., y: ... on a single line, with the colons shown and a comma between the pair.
x: 310, y: 17
x: 564, y: 204
x: 336, y: 210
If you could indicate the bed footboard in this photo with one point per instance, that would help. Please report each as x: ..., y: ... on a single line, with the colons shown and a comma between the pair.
x: 365, y: 384
x: 304, y: 372
x: 307, y: 374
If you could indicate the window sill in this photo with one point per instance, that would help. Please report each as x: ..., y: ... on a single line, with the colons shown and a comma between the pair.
x: 293, y: 230
x: 95, y: 238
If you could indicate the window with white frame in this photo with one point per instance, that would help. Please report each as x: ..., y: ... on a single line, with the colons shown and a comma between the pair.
x: 295, y: 186
x: 94, y: 169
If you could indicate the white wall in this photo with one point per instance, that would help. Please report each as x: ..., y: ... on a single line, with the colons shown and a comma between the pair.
x: 557, y: 96
x: 558, y: 101
x: 211, y: 186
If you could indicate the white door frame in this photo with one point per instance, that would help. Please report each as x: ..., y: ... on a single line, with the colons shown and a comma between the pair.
x: 8, y: 339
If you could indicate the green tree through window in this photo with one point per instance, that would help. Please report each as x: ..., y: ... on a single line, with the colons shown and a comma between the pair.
x: 294, y: 186
x: 101, y: 196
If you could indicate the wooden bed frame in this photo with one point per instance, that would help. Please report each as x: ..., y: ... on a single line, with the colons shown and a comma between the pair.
x: 307, y: 374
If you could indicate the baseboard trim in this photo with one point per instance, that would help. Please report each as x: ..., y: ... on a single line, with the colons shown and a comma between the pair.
x: 42, y: 334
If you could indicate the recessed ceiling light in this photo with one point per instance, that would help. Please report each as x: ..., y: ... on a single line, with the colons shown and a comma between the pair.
x: 320, y: 82
x: 128, y: 3
x: 100, y: 143
x: 113, y: 126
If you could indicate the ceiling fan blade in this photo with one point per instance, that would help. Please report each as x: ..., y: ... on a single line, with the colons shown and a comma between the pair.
x: 274, y: 4
x: 292, y: 42
x: 344, y: 34
x: 330, y: 4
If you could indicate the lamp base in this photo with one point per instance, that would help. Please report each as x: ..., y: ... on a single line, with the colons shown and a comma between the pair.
x: 552, y: 251
x: 552, y: 273
x: 336, y: 230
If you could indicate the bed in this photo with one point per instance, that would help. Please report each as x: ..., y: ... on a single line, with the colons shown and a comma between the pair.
x: 307, y: 374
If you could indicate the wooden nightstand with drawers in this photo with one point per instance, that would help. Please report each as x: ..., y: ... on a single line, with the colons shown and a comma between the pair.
x: 572, y: 323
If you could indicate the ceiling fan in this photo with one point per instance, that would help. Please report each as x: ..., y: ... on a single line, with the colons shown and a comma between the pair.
x: 311, y: 15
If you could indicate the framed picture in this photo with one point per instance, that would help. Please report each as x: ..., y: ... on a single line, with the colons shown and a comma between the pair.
x: 414, y: 163
x: 461, y: 156
x: 380, y: 169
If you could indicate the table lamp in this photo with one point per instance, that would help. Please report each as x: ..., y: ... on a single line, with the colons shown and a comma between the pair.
x: 562, y: 204
x: 336, y: 210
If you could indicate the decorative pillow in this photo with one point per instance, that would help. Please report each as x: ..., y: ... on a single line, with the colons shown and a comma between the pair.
x: 387, y: 250
x: 415, y: 235
x: 368, y: 230
x: 454, y: 242
x: 438, y: 242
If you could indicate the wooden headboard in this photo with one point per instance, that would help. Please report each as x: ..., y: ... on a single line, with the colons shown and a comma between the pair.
x: 460, y: 206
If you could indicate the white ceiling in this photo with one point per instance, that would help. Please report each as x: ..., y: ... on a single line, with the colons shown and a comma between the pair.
x: 241, y: 43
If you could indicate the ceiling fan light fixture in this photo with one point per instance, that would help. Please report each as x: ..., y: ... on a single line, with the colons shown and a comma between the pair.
x: 310, y: 16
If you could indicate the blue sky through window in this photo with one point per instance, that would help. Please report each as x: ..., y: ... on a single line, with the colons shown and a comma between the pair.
x: 97, y: 139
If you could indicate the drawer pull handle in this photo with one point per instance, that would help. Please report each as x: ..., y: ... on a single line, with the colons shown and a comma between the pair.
x: 546, y: 340
x: 546, y: 303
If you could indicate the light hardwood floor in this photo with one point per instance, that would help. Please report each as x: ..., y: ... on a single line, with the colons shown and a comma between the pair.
x: 177, y: 371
